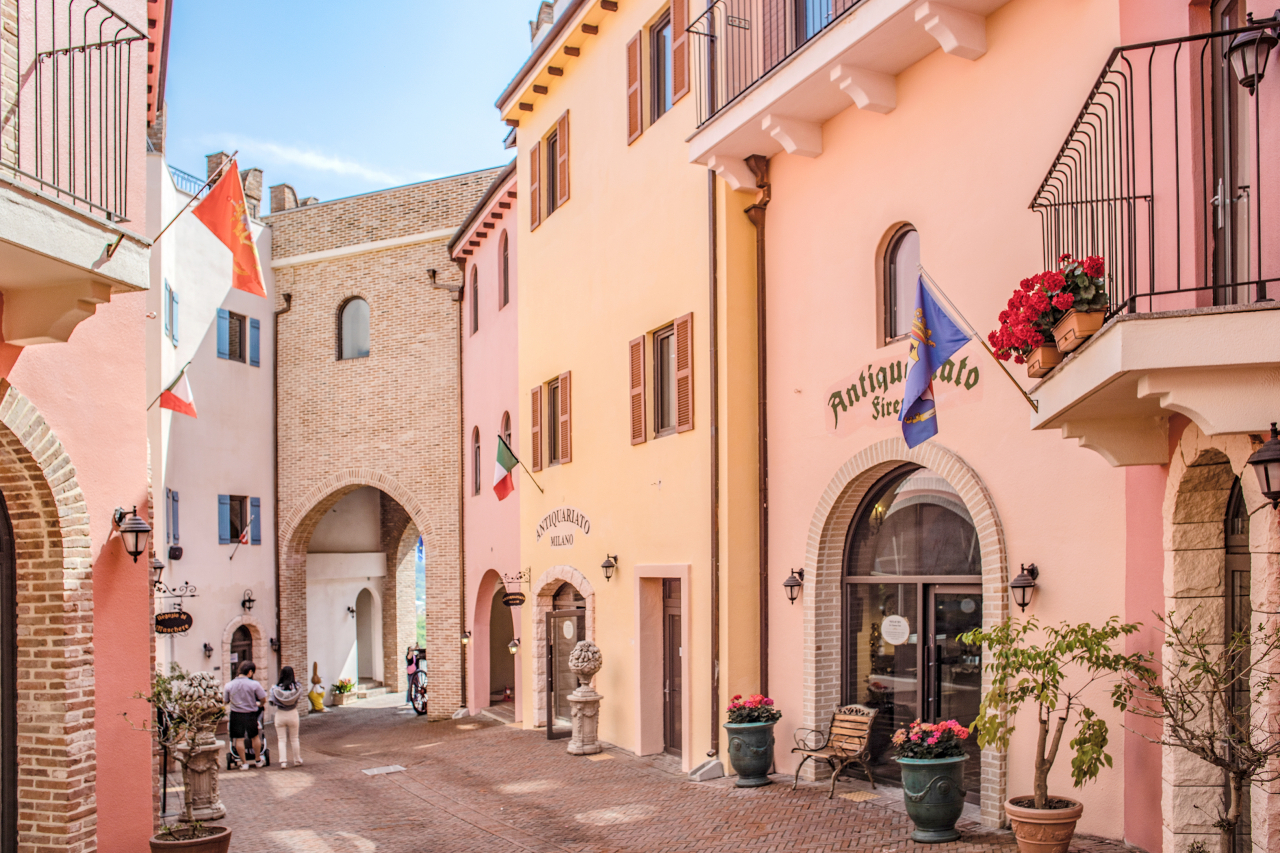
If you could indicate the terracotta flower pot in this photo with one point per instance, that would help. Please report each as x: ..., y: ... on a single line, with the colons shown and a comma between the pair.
x: 1042, y: 360
x: 344, y: 698
x: 218, y: 842
x: 1043, y: 830
x: 1076, y: 327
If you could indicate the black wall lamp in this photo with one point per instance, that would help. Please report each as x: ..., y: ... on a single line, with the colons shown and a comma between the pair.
x: 466, y: 637
x: 514, y: 645
x: 208, y: 650
x: 1249, y: 53
x: 157, y: 569
x: 1266, y: 464
x: 610, y: 565
x: 1024, y: 585
x: 351, y: 610
x: 247, y: 602
x: 793, y: 584
x: 133, y: 531
x: 275, y: 644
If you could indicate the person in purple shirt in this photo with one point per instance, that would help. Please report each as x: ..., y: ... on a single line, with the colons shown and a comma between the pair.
x: 246, y: 698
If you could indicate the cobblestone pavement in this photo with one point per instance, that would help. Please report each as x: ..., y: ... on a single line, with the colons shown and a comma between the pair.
x: 477, y: 785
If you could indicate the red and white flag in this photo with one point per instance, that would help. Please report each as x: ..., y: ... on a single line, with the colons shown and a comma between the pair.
x: 178, y: 396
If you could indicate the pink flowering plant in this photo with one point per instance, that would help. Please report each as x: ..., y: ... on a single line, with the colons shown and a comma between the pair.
x: 930, y: 740
x: 753, y: 709
x: 1042, y: 300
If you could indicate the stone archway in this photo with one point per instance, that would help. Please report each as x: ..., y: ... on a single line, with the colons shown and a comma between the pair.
x: 480, y: 647
x: 824, y: 569
x: 263, y: 675
x: 545, y: 589
x: 57, y: 757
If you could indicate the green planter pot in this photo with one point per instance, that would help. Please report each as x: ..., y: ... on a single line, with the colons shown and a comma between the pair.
x: 933, y: 789
x: 751, y: 752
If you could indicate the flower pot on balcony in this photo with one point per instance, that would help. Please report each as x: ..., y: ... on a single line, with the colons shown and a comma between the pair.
x: 933, y: 792
x: 1076, y: 327
x: 211, y: 839
x: 1043, y: 830
x: 1042, y: 360
x: 751, y: 752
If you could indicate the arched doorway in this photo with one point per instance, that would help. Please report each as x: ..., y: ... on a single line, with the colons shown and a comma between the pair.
x: 8, y: 684
x: 364, y: 637
x: 241, y: 647
x: 1239, y: 610
x: 912, y: 585
x: 566, y: 626
x: 502, y: 664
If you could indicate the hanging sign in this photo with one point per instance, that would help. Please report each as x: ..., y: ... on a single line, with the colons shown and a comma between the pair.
x: 174, y: 622
x: 513, y: 599
x: 895, y: 630
x: 874, y: 394
x: 558, y: 524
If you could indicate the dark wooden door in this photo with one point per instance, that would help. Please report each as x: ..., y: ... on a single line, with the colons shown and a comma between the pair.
x: 8, y: 686
x: 672, y: 655
x: 1231, y: 207
x: 241, y: 648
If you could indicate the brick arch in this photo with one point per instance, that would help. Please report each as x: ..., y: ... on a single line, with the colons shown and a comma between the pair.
x: 824, y: 568
x: 544, y: 591
x: 57, y: 756
x: 264, y: 674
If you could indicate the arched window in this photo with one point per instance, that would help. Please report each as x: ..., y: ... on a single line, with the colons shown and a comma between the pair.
x: 506, y: 428
x: 475, y: 300
x: 901, y: 269
x: 353, y: 329
x: 505, y: 272
x: 475, y: 460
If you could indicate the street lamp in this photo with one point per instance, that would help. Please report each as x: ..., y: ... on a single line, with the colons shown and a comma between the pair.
x: 1024, y: 585
x: 793, y: 584
x: 609, y: 565
x: 133, y: 531
x: 1266, y: 464
x: 1249, y: 53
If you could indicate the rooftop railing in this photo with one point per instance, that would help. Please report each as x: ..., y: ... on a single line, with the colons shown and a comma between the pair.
x: 188, y: 183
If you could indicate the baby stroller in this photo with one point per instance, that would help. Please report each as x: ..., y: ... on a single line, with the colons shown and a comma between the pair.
x: 233, y: 754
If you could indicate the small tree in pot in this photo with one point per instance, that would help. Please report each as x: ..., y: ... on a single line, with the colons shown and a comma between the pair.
x: 1052, y: 668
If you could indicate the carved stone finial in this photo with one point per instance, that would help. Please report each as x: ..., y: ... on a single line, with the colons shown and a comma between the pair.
x: 585, y: 660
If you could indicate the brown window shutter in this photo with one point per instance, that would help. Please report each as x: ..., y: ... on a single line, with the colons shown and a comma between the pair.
x: 535, y: 429
x: 562, y: 159
x: 535, y: 186
x: 776, y: 31
x: 680, y: 49
x: 684, y: 373
x: 566, y: 452
x: 636, y: 349
x: 633, y: 90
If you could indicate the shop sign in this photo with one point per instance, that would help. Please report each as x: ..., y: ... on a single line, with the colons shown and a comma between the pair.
x: 875, y: 394
x: 895, y: 630
x: 558, y: 526
x: 174, y: 622
x: 513, y: 599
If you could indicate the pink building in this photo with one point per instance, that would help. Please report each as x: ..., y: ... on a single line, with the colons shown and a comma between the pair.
x: 485, y: 250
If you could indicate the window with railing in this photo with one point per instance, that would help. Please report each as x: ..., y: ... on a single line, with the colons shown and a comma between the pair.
x: 1167, y: 175
x: 738, y: 42
x: 66, y: 92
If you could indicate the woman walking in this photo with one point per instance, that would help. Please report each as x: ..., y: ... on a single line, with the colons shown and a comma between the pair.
x: 285, y: 696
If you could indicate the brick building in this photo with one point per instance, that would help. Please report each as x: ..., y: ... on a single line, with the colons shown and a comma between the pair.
x: 369, y: 450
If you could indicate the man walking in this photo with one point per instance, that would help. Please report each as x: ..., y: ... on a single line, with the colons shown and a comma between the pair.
x: 246, y: 698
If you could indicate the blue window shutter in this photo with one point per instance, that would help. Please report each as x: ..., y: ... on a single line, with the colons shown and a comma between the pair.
x: 254, y: 329
x: 168, y: 516
x: 224, y: 519
x: 173, y: 319
x: 224, y: 333
x: 177, y: 524
x: 166, y: 301
x: 255, y: 518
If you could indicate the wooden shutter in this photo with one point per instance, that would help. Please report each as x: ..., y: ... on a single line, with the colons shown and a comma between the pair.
x: 224, y: 333
x: 177, y: 522
x: 562, y: 159
x: 679, y: 70
x: 255, y: 521
x: 566, y: 448
x: 255, y: 331
x: 173, y: 316
x: 636, y: 355
x: 168, y: 516
x: 224, y: 519
x: 633, y: 90
x: 166, y: 309
x: 535, y: 426
x: 684, y: 373
x: 535, y: 186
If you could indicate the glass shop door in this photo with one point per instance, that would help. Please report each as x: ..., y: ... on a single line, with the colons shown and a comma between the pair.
x: 564, y: 629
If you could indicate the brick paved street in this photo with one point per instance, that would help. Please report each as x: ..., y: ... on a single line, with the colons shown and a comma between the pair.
x: 474, y: 784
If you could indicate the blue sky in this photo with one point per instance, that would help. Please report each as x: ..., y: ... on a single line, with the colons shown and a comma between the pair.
x: 343, y: 98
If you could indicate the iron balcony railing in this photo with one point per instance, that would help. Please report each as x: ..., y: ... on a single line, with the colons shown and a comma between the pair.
x: 737, y: 42
x: 188, y: 183
x: 1164, y: 175
x: 65, y: 98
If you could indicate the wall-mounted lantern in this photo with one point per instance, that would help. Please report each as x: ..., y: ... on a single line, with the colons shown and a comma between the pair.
x: 610, y: 565
x: 157, y: 569
x: 514, y: 645
x: 793, y: 584
x: 1249, y: 53
x: 1023, y: 586
x: 133, y: 531
x: 208, y: 650
x: 275, y: 645
x: 466, y: 637
x: 247, y: 602
x: 1266, y: 464
x: 351, y: 610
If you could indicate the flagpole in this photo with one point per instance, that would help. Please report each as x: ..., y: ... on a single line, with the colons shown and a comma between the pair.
x: 171, y: 385
x: 517, y: 458
x: 1035, y: 407
x: 212, y: 178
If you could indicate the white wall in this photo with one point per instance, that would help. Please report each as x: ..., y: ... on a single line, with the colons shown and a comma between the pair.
x: 334, y: 581
x: 354, y: 525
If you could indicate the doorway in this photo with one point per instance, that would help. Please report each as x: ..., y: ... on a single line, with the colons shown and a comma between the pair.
x: 672, y: 654
x: 1239, y: 611
x: 566, y: 625
x: 502, y: 664
x: 8, y: 685
x: 241, y: 648
x: 1232, y: 167
x: 912, y: 586
x: 364, y: 636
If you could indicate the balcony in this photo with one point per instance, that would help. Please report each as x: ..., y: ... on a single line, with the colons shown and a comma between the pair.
x: 1169, y: 174
x: 72, y: 109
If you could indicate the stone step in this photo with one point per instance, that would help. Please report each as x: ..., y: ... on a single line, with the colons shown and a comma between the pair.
x: 367, y: 691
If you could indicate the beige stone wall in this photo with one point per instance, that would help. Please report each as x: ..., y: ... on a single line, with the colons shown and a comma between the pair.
x: 391, y: 420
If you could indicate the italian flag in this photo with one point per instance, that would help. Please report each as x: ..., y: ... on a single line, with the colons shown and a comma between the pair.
x: 503, y: 483
x: 178, y: 396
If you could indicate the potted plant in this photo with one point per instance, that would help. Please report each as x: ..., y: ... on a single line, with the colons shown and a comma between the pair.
x: 342, y: 691
x: 750, y: 729
x: 189, y: 707
x: 1051, y: 668
x: 1081, y: 292
x: 931, y: 757
x: 1025, y: 327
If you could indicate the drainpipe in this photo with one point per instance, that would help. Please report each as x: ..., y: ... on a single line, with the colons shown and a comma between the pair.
x: 759, y: 166
x: 275, y: 455
x: 713, y: 334
x: 455, y: 293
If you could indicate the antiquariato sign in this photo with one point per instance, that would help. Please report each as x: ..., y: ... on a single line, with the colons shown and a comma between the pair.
x: 174, y: 622
x: 874, y: 393
x: 561, y: 525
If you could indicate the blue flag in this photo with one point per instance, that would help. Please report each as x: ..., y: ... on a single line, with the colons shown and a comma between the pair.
x: 935, y: 337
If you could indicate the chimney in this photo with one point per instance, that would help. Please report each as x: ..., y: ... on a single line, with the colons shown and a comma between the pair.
x: 283, y: 197
x: 309, y: 200
x: 546, y: 14
x: 251, y: 180
x: 155, y: 131
x: 215, y: 162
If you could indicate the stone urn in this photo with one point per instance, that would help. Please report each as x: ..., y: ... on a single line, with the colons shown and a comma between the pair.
x: 200, y: 778
x: 751, y: 752
x: 933, y: 792
x: 584, y: 703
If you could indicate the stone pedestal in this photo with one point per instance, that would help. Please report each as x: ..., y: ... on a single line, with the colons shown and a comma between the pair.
x: 200, y: 781
x: 584, y: 708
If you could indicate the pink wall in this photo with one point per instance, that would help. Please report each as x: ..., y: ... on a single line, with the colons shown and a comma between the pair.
x: 489, y: 388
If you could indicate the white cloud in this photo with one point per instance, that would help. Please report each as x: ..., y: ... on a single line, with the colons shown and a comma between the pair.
x: 315, y: 161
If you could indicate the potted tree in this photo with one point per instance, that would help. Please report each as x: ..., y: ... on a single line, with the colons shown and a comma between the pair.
x: 188, y: 708
x: 1051, y: 668
x: 1081, y: 292
x: 931, y: 757
x: 1206, y: 700
x: 750, y: 729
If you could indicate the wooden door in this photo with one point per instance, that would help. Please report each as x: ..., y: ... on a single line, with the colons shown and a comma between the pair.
x: 672, y: 656
x: 1232, y: 159
x: 564, y: 629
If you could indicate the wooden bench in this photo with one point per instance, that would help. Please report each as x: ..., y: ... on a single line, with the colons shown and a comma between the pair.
x: 846, y: 741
